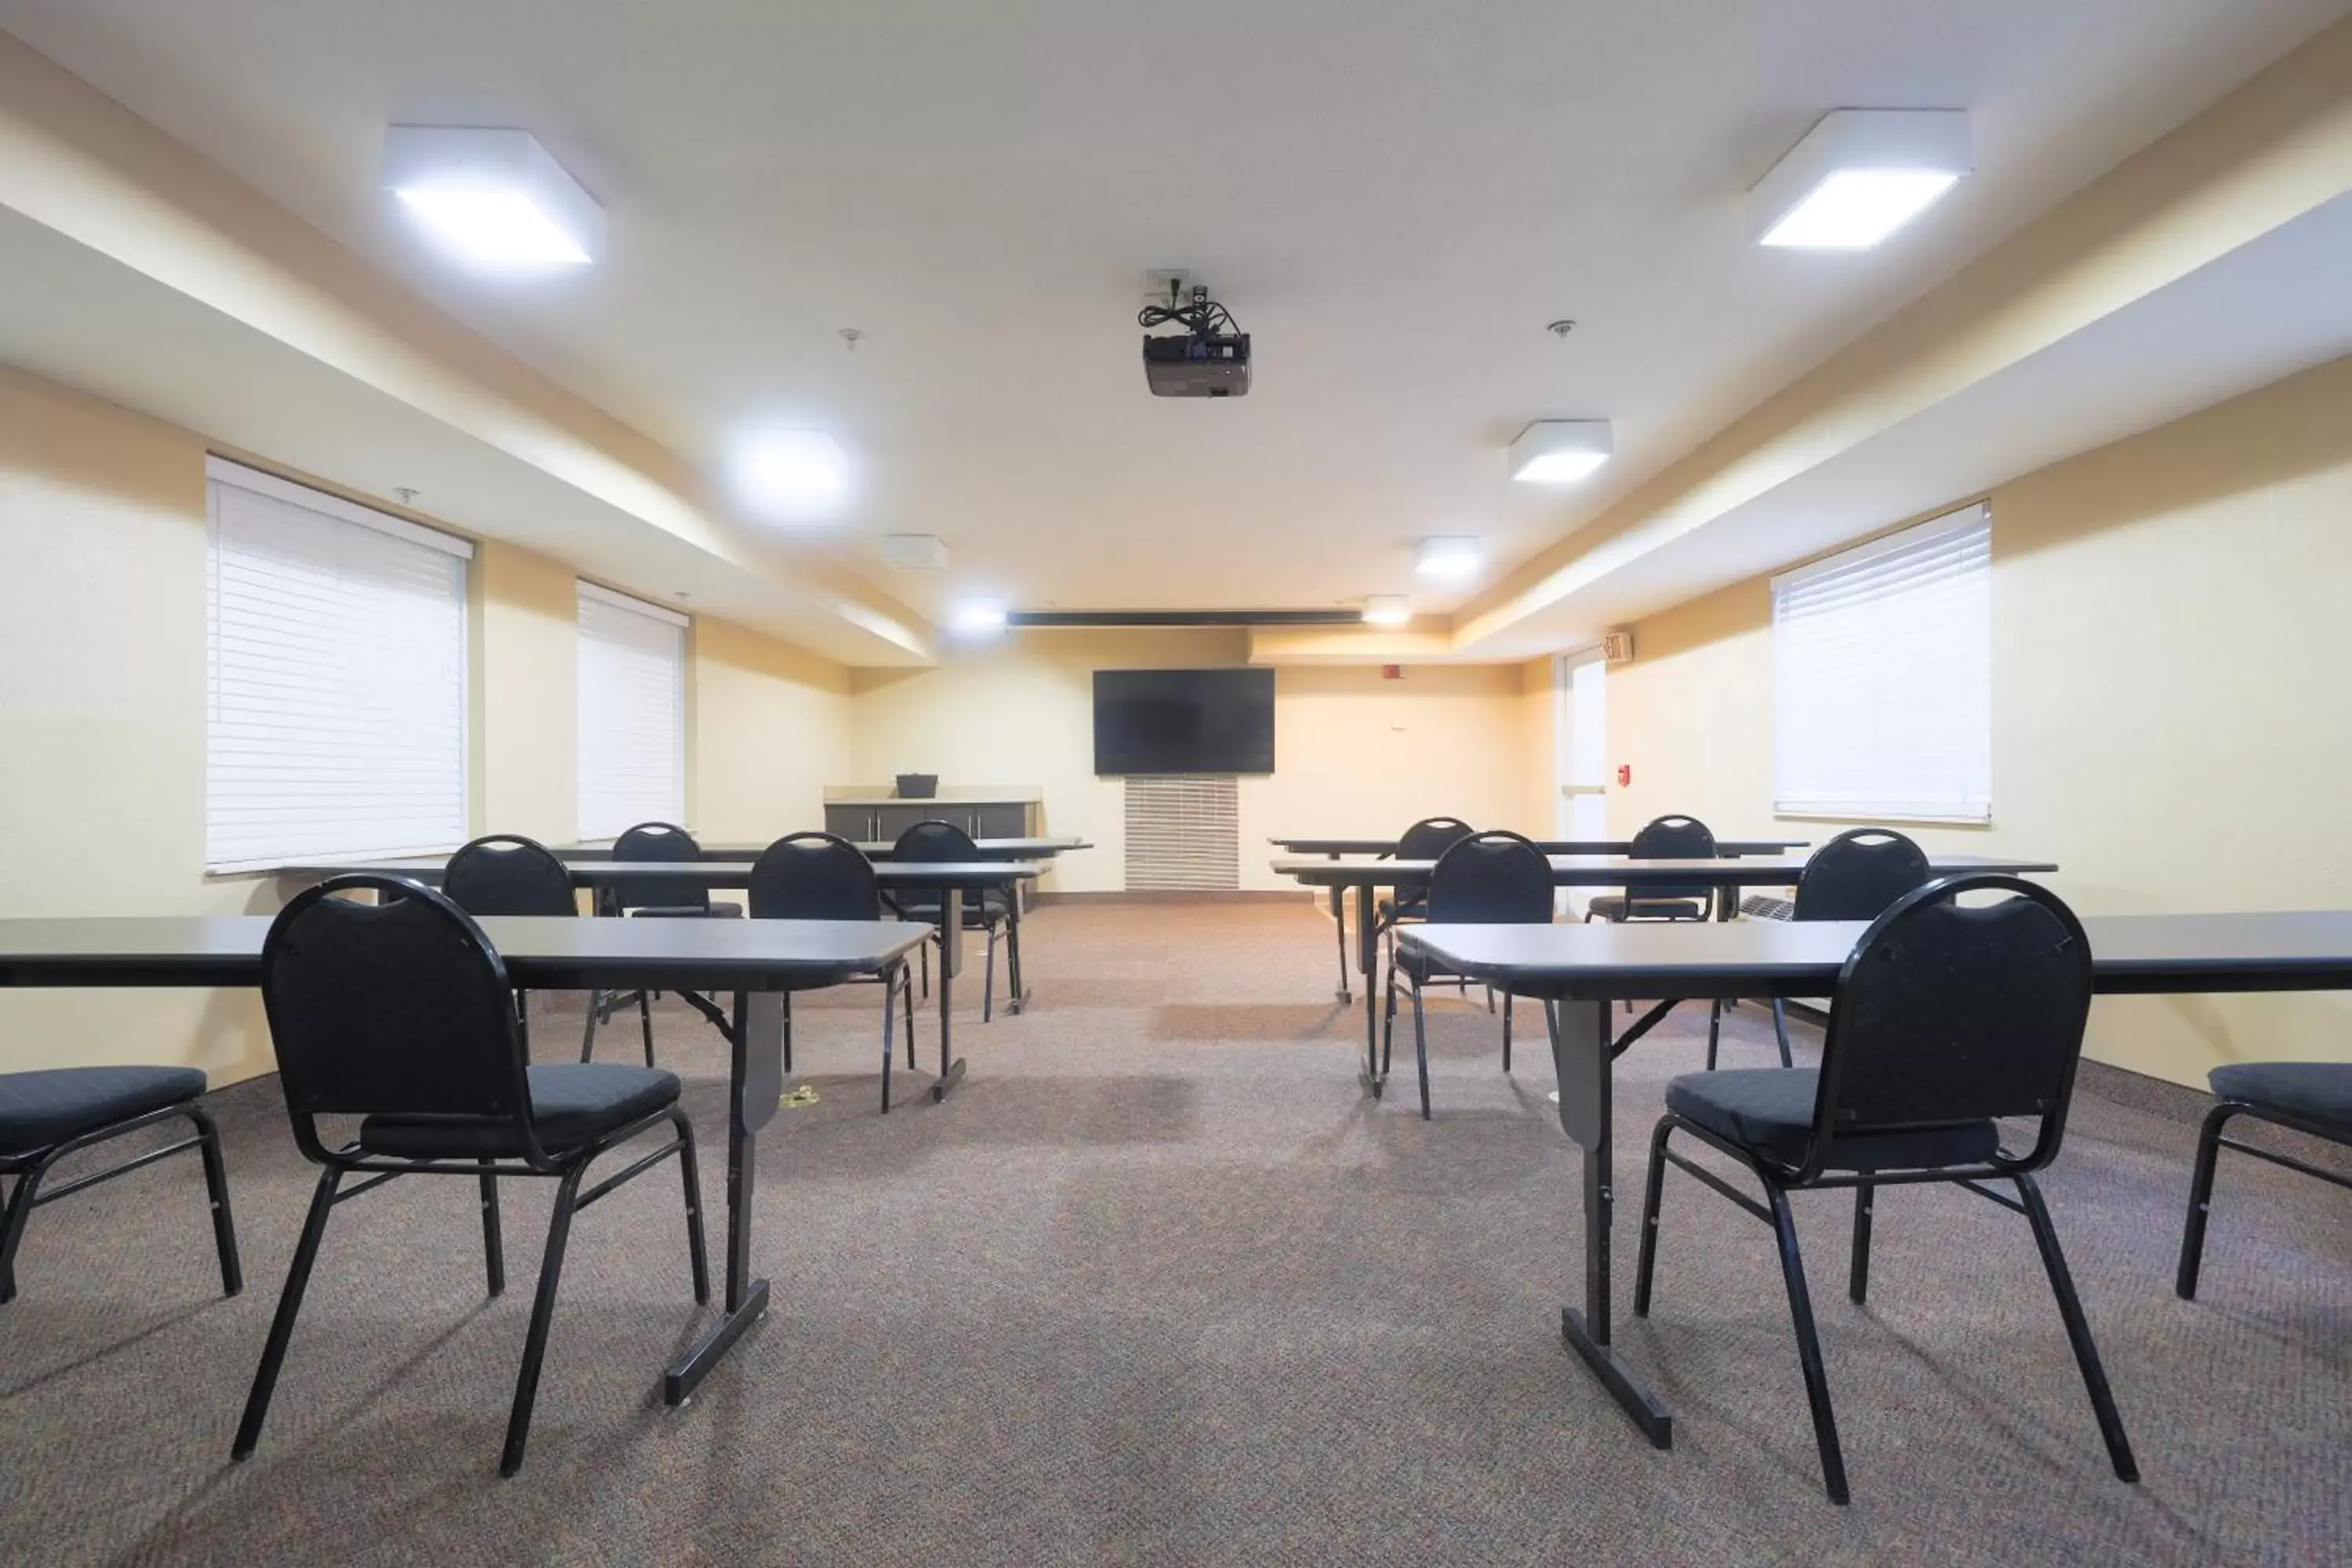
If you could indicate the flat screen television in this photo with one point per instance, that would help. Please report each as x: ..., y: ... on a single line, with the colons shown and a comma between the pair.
x: 1183, y: 721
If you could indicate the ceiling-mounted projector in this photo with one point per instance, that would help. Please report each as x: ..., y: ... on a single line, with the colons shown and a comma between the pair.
x: 1209, y: 358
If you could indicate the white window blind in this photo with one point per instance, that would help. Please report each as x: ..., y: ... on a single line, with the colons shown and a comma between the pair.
x: 1882, y: 678
x: 631, y: 713
x: 335, y: 720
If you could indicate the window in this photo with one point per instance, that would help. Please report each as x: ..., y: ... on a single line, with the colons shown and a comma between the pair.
x: 1882, y: 678
x: 335, y: 718
x: 631, y: 713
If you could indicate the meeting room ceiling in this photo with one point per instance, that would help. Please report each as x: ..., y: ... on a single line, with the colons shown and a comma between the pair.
x: 1394, y: 198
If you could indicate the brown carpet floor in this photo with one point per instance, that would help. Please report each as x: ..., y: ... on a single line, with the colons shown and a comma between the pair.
x: 1159, y: 1286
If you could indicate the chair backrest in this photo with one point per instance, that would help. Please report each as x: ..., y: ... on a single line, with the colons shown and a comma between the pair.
x: 401, y: 1007
x: 659, y: 841
x: 1430, y: 837
x: 1491, y: 878
x: 940, y: 843
x: 1949, y: 1012
x: 507, y: 874
x: 1859, y: 874
x: 1673, y: 839
x: 814, y: 877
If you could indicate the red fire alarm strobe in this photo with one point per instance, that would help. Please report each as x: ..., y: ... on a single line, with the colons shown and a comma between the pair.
x: 1391, y: 672
x: 1624, y: 774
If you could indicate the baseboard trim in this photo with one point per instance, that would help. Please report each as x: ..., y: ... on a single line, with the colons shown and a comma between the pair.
x: 1177, y: 896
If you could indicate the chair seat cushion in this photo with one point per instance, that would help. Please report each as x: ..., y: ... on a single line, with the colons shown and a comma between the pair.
x: 574, y: 1103
x: 49, y: 1105
x: 1770, y: 1112
x: 1617, y: 907
x: 979, y: 913
x: 690, y: 911
x: 1419, y: 967
x: 1395, y: 909
x: 2314, y: 1092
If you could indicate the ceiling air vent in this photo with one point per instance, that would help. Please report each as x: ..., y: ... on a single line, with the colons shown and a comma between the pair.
x: 914, y: 552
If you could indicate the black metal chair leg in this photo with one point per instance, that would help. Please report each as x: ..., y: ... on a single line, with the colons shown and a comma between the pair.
x: 1857, y: 1284
x: 923, y: 956
x: 2078, y: 1330
x: 698, y: 1255
x: 542, y: 1314
x: 493, y: 1252
x: 1808, y: 1347
x: 2200, y: 1201
x: 216, y: 1195
x: 1421, y: 1049
x: 907, y: 987
x: 1652, y: 1189
x: 588, y: 1035
x: 788, y: 1031
x: 1714, y: 1031
x: 281, y: 1327
x: 1780, y: 1029
x: 12, y: 1227
x: 988, y: 980
x: 889, y: 1016
x: 1388, y: 1021
x: 1508, y: 1000
x: 645, y: 1017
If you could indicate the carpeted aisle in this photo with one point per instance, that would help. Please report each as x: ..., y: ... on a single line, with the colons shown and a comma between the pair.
x: 1159, y: 1285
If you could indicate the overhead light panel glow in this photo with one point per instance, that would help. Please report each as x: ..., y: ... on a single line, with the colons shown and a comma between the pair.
x: 796, y: 476
x: 1448, y: 557
x: 493, y: 200
x: 977, y: 617
x: 1560, y: 451
x: 1859, y: 175
x: 1387, y: 610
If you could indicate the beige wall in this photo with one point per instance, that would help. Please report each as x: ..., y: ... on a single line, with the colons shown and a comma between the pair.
x: 1354, y: 753
x: 2171, y: 642
x: 103, y: 719
x: 770, y: 730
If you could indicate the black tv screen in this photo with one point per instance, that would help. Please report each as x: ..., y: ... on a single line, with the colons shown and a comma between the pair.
x: 1183, y: 721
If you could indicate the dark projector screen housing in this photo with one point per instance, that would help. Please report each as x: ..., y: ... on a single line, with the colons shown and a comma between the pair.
x: 1183, y: 721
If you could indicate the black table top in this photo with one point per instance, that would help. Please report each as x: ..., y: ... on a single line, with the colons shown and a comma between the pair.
x: 427, y: 868
x: 1043, y: 848
x: 1386, y: 847
x: 1622, y: 870
x: 541, y: 952
x: 2276, y: 951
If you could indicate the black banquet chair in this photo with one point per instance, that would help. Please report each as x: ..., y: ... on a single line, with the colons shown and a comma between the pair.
x: 1427, y: 840
x: 825, y: 877
x: 47, y: 1113
x: 400, y: 1013
x: 1488, y: 878
x: 1671, y: 838
x: 507, y: 874
x: 1857, y: 876
x: 655, y: 896
x: 989, y: 911
x: 1946, y: 1019
x: 2312, y: 1097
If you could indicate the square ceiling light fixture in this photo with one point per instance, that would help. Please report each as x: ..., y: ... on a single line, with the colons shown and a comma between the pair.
x: 792, y: 475
x: 1388, y: 610
x: 976, y: 618
x: 1449, y: 557
x: 1859, y: 175
x: 493, y: 200
x: 1560, y: 451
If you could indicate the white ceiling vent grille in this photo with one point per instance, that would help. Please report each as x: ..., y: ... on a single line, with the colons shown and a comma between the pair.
x: 914, y: 552
x: 1183, y: 833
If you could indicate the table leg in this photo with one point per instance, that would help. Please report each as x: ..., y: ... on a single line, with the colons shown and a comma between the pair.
x: 1012, y: 949
x: 950, y: 966
x: 1340, y: 919
x: 1580, y: 1051
x: 756, y: 1085
x: 1368, y: 959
